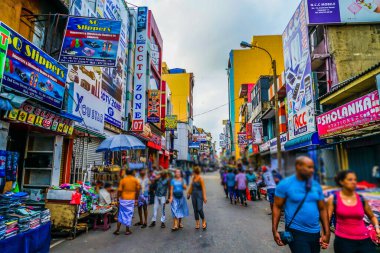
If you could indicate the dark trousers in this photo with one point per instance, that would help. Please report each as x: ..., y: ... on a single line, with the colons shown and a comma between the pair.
x: 242, y: 196
x: 198, y: 207
x: 342, y: 245
x: 231, y: 192
x: 305, y: 242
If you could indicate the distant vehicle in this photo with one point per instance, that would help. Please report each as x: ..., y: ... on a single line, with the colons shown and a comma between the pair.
x: 92, y: 44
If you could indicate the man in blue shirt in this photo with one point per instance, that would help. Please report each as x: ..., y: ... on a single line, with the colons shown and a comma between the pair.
x: 305, y: 227
x: 230, y: 181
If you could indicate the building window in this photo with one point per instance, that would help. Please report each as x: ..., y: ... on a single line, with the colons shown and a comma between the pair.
x: 31, y: 28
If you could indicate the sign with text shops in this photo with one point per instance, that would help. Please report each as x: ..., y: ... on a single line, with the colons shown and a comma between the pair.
x: 139, y: 88
x: 42, y: 118
x: 90, y: 41
x: 357, y: 114
x: 33, y: 73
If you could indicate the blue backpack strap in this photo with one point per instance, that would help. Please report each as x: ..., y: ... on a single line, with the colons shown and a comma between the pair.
x: 335, y: 200
x: 362, y: 199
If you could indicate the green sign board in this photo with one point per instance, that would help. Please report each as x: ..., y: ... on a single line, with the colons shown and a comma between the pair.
x: 4, y: 38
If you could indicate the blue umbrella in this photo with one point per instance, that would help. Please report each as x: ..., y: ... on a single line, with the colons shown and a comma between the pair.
x: 120, y: 142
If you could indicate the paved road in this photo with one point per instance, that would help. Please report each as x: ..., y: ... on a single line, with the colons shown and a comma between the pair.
x: 230, y: 229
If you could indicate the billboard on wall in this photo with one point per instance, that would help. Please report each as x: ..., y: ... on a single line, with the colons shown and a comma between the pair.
x: 242, y: 139
x: 171, y: 122
x: 88, y: 107
x: 153, y: 106
x: 357, y: 114
x: 343, y: 11
x: 32, y: 72
x: 248, y: 130
x: 257, y: 133
x: 90, y: 41
x: 140, y: 82
x: 299, y: 83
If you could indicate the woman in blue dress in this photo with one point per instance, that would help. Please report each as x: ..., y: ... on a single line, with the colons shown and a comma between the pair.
x: 178, y: 201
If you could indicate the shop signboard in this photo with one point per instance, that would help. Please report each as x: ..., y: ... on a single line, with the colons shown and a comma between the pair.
x: 88, y: 107
x: 357, y: 114
x: 42, y: 118
x: 154, y: 142
x: 264, y: 147
x: 343, y: 11
x: 171, y: 122
x: 378, y: 82
x: 242, y: 139
x: 140, y: 82
x: 199, y: 137
x: 33, y: 73
x: 4, y: 39
x: 88, y: 77
x: 91, y: 41
x: 248, y: 130
x: 153, y: 106
x: 273, y: 143
x: 257, y: 133
x: 299, y: 83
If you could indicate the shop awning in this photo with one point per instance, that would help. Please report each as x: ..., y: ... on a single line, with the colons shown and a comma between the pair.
x: 5, y: 105
x: 311, y: 139
x: 71, y: 116
x: 8, y: 101
x: 88, y: 131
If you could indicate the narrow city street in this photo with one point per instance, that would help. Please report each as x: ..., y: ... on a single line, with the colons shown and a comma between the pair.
x: 230, y: 229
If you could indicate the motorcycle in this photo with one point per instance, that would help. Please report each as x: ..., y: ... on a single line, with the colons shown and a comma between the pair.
x: 252, y: 187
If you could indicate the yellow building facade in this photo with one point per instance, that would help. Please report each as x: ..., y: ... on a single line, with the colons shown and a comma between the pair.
x: 246, y: 66
x: 181, y: 87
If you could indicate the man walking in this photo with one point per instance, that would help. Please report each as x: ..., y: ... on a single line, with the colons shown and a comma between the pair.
x: 160, y: 198
x: 128, y: 190
x: 241, y: 185
x: 270, y: 185
x: 143, y: 199
x: 230, y: 181
x: 304, y: 205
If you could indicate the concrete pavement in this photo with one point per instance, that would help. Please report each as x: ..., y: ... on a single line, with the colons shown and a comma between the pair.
x: 230, y: 229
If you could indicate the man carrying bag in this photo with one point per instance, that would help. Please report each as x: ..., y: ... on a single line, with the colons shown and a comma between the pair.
x: 303, y: 201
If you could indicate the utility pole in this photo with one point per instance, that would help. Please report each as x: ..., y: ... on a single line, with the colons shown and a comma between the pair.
x: 277, y: 119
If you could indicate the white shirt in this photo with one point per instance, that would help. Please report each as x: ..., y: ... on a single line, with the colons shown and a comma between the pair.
x: 104, y: 197
x: 269, y: 180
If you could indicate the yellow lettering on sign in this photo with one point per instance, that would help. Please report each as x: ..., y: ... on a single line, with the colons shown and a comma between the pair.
x: 60, y: 127
x: 13, y: 114
x: 70, y: 131
x: 38, y: 121
x: 31, y: 118
x: 65, y: 128
x: 22, y: 116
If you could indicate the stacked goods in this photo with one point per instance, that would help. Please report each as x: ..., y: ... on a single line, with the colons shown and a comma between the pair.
x: 45, y: 216
x: 11, y: 228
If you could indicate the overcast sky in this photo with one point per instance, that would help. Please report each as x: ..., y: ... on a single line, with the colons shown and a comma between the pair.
x: 198, y: 36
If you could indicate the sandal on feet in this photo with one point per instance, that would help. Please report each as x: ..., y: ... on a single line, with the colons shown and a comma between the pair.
x: 174, y: 229
x: 128, y: 233
x: 204, y: 226
x: 116, y: 233
x: 197, y: 227
x: 163, y: 225
x: 144, y: 226
x: 137, y: 224
x: 181, y: 225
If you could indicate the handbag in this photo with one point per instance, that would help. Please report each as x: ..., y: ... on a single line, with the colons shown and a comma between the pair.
x: 178, y: 195
x: 287, y: 236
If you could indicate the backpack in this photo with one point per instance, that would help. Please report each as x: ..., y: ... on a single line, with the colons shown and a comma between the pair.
x: 333, y: 217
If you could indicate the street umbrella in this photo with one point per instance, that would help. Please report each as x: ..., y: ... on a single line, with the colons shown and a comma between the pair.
x: 120, y: 142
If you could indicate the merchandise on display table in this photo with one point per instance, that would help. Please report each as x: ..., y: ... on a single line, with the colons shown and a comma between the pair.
x: 9, y: 164
x: 101, y: 209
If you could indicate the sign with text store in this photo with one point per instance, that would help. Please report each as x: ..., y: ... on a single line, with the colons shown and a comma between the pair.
x: 139, y: 89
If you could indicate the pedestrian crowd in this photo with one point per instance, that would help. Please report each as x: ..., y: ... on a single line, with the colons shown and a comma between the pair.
x: 309, y: 218
x: 158, y: 187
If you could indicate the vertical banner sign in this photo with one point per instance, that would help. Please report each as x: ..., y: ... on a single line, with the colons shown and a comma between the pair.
x: 139, y: 89
x: 90, y: 41
x: 299, y: 83
x: 153, y: 106
x: 248, y: 129
x: 163, y: 105
x: 242, y: 139
x: 257, y: 133
x: 171, y: 122
x: 4, y: 39
x: 32, y: 72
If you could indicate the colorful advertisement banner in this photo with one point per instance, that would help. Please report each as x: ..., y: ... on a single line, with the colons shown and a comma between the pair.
x: 38, y: 117
x: 90, y: 41
x: 153, y: 106
x: 273, y: 143
x: 248, y: 129
x: 257, y: 133
x: 299, y: 83
x: 199, y: 137
x: 264, y: 147
x: 140, y: 82
x: 87, y: 77
x: 343, y: 11
x: 242, y: 139
x: 171, y: 122
x: 4, y: 39
x: 32, y: 72
x: 357, y: 114
x: 88, y: 107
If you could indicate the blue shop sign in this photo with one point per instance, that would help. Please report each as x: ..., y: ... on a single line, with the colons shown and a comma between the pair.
x: 32, y: 72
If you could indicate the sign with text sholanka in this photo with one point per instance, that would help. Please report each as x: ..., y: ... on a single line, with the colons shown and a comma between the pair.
x: 88, y: 107
x: 299, y: 83
x: 32, y: 72
x: 357, y: 114
x: 139, y: 88
x: 343, y: 11
x: 90, y: 41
